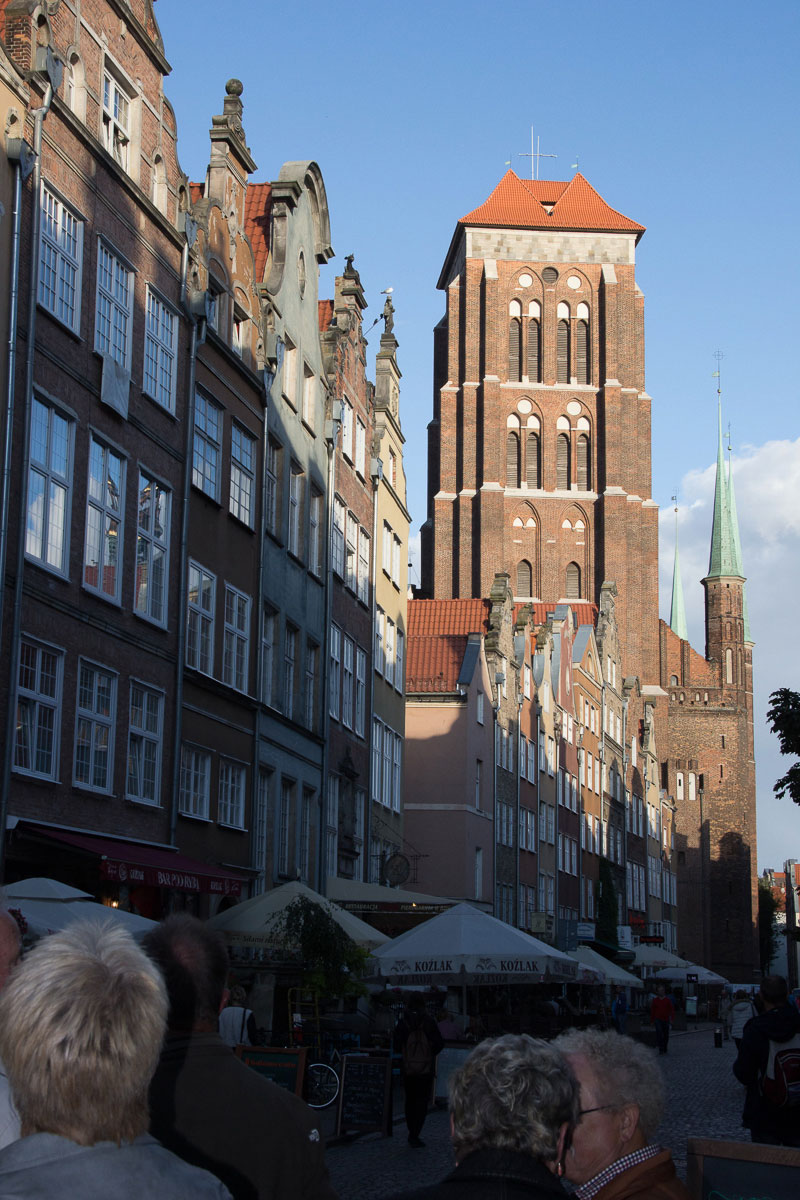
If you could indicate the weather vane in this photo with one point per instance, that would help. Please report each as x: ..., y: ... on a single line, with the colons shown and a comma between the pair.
x: 534, y: 156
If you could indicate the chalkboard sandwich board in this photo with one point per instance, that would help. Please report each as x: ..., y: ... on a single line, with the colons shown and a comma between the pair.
x: 284, y: 1065
x: 365, y: 1100
x: 718, y: 1170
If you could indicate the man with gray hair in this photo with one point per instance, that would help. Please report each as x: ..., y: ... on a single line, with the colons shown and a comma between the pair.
x: 81, y: 1024
x: 512, y: 1107
x: 621, y: 1104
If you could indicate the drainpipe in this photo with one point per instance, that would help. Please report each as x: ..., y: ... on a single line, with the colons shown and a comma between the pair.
x: 331, y: 436
x: 516, y: 815
x: 266, y: 381
x: 376, y: 474
x: 54, y: 70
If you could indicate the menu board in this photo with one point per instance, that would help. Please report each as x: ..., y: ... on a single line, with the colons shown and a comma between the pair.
x: 284, y: 1065
x: 718, y: 1170
x: 365, y: 1100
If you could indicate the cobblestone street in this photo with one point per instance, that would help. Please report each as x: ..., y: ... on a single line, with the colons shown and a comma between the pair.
x: 703, y: 1100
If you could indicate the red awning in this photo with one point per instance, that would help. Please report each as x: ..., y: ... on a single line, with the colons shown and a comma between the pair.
x: 134, y: 864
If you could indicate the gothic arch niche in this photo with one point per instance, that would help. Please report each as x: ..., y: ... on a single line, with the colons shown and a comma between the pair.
x: 524, y: 581
x: 75, y: 84
x: 583, y: 449
x: 563, y: 455
x: 159, y: 196
x: 514, y: 341
x: 572, y: 581
x: 533, y: 452
x: 583, y: 347
x: 525, y: 531
x: 533, y: 362
x: 729, y: 666
x: 513, y: 455
x: 562, y: 342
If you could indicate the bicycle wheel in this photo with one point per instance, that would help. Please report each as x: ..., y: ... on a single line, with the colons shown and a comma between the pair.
x: 322, y: 1085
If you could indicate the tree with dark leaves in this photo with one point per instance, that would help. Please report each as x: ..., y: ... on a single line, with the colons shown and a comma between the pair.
x: 784, y: 720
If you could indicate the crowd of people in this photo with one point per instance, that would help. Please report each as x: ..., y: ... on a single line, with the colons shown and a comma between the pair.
x: 118, y: 1078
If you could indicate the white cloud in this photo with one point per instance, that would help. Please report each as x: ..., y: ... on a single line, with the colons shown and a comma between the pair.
x: 767, y: 485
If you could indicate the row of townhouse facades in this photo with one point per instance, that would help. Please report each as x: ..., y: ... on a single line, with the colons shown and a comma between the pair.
x: 198, y: 475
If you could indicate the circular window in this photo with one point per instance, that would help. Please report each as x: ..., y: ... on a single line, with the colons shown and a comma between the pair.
x: 549, y: 274
x: 574, y: 282
x: 573, y: 408
x: 525, y: 280
x: 301, y: 273
x: 524, y: 406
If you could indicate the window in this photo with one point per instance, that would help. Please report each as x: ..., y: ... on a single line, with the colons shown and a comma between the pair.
x: 397, y: 772
x: 573, y: 581
x: 361, y: 448
x: 377, y: 742
x: 315, y: 532
x: 195, y: 782
x: 287, y: 797
x: 200, y: 619
x: 309, y: 397
x: 389, y: 647
x: 562, y: 351
x: 94, y: 737
x: 479, y: 707
x: 392, y: 468
x: 116, y: 120
x: 38, y: 709
x: 380, y: 658
x: 60, y: 261
x: 152, y: 550
x: 347, y: 683
x: 305, y: 835
x: 114, y: 312
x: 243, y: 453
x: 533, y: 461
x: 386, y: 785
x: 144, y: 745
x: 230, y: 808
x: 268, y: 655
x: 335, y: 669
x: 562, y: 462
x: 524, y: 579
x: 260, y: 829
x: 351, y: 553
x: 584, y: 465
x: 361, y: 690
x: 102, y: 557
x: 236, y: 645
x: 396, y: 548
x: 207, y: 440
x: 347, y: 429
x: 49, y: 484
x: 514, y: 350
x: 582, y: 345
x: 332, y: 826
x: 312, y: 667
x: 399, y: 677
x: 289, y: 660
x: 478, y: 773
x: 363, y: 567
x: 512, y: 459
x: 296, y: 511
x: 534, y: 350
x: 290, y: 372
x: 337, y: 537
x: 386, y: 561
x: 160, y: 345
x: 272, y: 489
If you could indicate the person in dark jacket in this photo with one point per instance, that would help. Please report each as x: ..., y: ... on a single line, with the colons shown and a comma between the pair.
x: 513, y: 1104
x: 418, y: 1066
x: 779, y: 1022
x: 206, y: 1105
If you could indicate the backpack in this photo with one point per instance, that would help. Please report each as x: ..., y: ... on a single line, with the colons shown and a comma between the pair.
x: 780, y: 1083
x: 418, y: 1052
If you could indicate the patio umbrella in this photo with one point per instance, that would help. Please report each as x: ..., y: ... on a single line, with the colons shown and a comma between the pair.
x: 49, y: 906
x: 613, y: 973
x: 678, y: 974
x: 466, y: 946
x: 256, y: 922
x: 656, y: 957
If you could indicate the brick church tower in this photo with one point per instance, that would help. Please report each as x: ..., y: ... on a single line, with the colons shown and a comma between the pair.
x: 539, y: 447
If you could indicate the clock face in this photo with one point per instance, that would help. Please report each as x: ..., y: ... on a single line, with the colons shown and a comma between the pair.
x: 301, y: 273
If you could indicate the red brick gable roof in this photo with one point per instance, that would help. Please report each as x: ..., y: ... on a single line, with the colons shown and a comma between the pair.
x: 433, y: 663
x: 257, y: 213
x: 575, y: 205
x: 430, y: 618
x: 325, y: 314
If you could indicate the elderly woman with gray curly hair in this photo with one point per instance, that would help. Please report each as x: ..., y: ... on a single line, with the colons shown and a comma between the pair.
x: 611, y: 1156
x: 513, y: 1104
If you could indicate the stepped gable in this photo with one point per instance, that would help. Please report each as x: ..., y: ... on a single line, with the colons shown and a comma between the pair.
x: 257, y: 215
x: 549, y: 204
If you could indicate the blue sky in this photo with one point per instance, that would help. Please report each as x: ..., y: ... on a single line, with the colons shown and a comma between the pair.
x: 683, y: 116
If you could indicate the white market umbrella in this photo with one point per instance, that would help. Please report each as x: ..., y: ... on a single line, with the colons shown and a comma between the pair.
x: 679, y: 974
x: 256, y: 922
x: 464, y: 945
x: 612, y: 971
x: 49, y: 906
x: 656, y: 958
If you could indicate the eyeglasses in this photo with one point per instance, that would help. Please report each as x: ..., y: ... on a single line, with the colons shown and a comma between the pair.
x: 600, y: 1108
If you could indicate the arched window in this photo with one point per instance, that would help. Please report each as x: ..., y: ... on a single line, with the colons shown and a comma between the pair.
x: 562, y: 462
x: 159, y: 196
x: 534, y: 348
x: 584, y: 464
x: 533, y: 460
x: 729, y: 666
x: 512, y: 459
x: 562, y: 344
x: 573, y: 581
x: 583, y: 365
x: 524, y: 578
x: 514, y: 350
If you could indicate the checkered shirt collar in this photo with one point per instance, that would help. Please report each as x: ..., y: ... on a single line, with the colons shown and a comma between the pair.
x: 590, y: 1189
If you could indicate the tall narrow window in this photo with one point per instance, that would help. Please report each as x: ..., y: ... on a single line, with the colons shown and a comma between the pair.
x: 562, y: 351
x: 94, y: 736
x: 582, y: 348
x: 334, y: 672
x: 195, y: 782
x: 512, y: 459
x: 143, y: 781
x: 232, y: 780
x: 36, y: 730
x: 284, y: 825
x: 584, y: 464
x: 49, y: 485
x: 116, y: 121
x: 206, y: 446
x: 399, y: 667
x: 309, y: 397
x: 114, y: 313
x: 312, y: 671
x: 200, y: 622
x: 562, y: 462
x: 236, y: 648
x: 351, y: 553
x: 272, y: 486
x: 534, y: 350
x: 363, y: 567
x: 315, y: 532
x: 573, y: 581
x: 533, y: 460
x: 515, y: 350
x: 160, y: 347
x: 361, y: 448
x: 361, y: 690
x: 524, y: 579
x: 102, y: 559
x: 347, y: 683
x: 289, y: 661
x: 243, y: 456
x: 296, y: 511
x: 61, y: 254
x: 337, y: 537
x: 152, y: 549
x: 268, y: 633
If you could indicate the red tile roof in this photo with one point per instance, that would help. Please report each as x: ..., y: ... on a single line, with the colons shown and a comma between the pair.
x: 583, y: 612
x: 325, y: 314
x: 433, y: 663
x: 436, y: 617
x: 257, y: 213
x: 575, y: 205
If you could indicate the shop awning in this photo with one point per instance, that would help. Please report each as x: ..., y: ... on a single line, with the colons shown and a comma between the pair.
x: 151, y: 866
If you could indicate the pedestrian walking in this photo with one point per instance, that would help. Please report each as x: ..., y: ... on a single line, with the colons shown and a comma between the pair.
x: 419, y: 1040
x: 742, y: 1010
x: 619, y: 1011
x: 768, y: 1064
x: 662, y: 1014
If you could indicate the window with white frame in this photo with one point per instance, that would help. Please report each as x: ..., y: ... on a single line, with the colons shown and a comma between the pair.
x: 386, y: 783
x: 243, y: 458
x: 116, y: 120
x: 152, y: 550
x: 363, y: 566
x: 145, y: 732
x: 284, y: 825
x: 290, y: 372
x: 114, y: 310
x: 239, y: 330
x: 230, y: 807
x: 332, y: 826
x: 358, y: 834
x: 377, y: 743
x: 397, y: 761
x: 351, y: 553
x: 361, y: 691
x: 347, y: 683
x: 296, y: 510
x: 361, y: 448
x: 94, y: 727
x: 200, y: 601
x: 207, y: 446
x: 236, y: 642
x: 315, y: 532
x: 289, y: 663
x: 386, y: 560
x: 335, y: 685
x: 337, y: 537
x: 399, y: 661
x: 389, y: 651
x: 479, y: 708
x: 38, y: 721
x: 262, y: 808
x: 272, y: 486
x: 309, y: 397
x: 102, y: 559
x: 305, y: 835
x: 160, y: 348
x: 396, y: 548
x: 268, y: 632
x: 60, y: 261
x: 49, y: 487
x: 195, y: 782
x: 347, y: 429
x: 312, y: 670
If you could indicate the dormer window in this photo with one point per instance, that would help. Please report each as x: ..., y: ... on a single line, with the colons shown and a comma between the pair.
x: 116, y: 121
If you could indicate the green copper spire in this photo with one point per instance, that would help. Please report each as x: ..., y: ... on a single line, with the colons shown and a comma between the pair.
x: 677, y: 613
x: 723, y: 559
x: 737, y: 545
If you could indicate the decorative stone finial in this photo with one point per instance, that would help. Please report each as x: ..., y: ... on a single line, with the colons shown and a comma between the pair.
x: 234, y: 87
